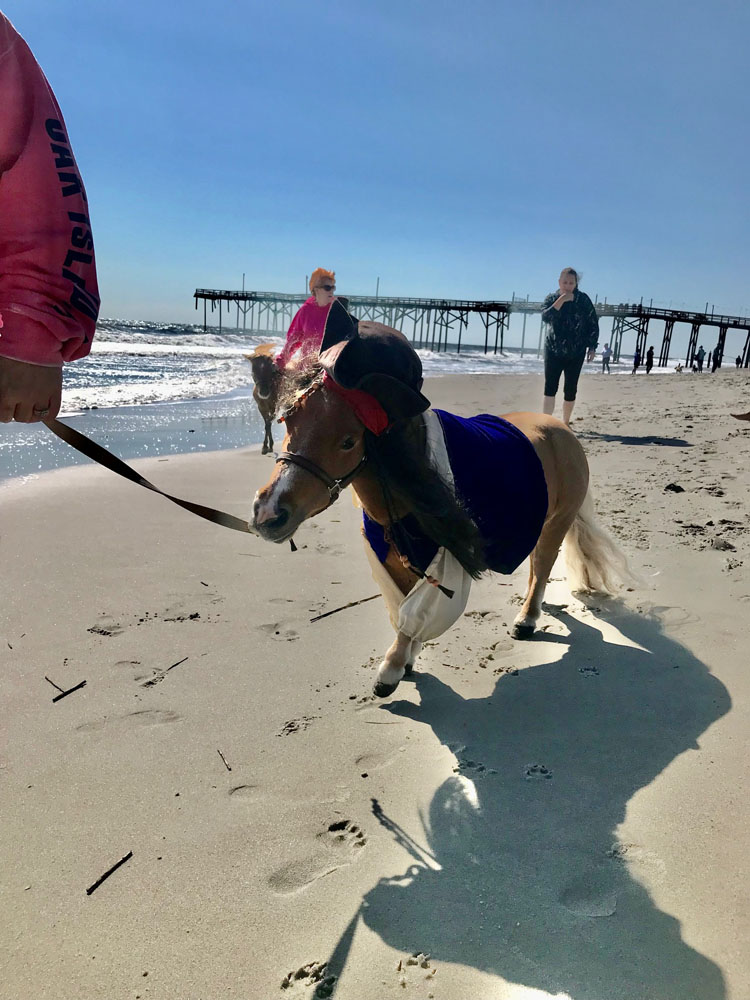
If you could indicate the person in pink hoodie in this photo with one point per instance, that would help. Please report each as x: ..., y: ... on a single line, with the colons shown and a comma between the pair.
x: 306, y: 331
x: 49, y: 297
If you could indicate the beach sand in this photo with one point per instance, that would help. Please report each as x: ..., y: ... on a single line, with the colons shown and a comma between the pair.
x: 564, y: 817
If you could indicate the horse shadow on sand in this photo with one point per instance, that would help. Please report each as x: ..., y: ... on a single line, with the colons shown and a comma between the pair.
x: 533, y: 884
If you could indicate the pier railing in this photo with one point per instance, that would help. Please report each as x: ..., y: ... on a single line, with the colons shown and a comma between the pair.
x: 438, y: 324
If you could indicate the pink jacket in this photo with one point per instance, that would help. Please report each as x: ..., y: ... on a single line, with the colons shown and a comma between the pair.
x: 306, y: 331
x: 49, y: 298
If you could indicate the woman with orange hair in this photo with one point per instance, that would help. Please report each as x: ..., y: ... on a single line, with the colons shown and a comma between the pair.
x: 306, y: 331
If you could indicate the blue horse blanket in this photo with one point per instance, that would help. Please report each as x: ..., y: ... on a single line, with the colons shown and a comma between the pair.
x: 500, y: 481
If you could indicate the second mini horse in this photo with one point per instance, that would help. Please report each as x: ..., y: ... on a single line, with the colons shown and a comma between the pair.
x: 267, y: 379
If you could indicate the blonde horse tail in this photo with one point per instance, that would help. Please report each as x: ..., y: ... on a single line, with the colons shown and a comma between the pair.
x: 594, y: 562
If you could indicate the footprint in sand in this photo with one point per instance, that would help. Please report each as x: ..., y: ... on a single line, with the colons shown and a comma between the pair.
x: 668, y: 615
x: 589, y: 671
x: 106, y: 626
x: 140, y: 673
x: 278, y: 630
x: 338, y: 845
x: 329, y: 550
x: 147, y: 717
x: 537, y: 772
x: 297, y: 725
x: 344, y: 833
x: 314, y: 974
x: 373, y: 761
x: 590, y: 895
x: 504, y: 647
x: 465, y: 763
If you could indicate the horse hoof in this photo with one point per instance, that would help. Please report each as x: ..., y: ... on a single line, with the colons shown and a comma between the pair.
x: 382, y: 690
x: 523, y: 631
x: 408, y: 669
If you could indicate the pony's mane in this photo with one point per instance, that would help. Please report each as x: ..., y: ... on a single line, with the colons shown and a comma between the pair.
x: 409, y: 482
x: 297, y: 381
x: 400, y: 460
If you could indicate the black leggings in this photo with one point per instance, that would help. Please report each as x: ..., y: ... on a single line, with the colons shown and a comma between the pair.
x: 554, y: 366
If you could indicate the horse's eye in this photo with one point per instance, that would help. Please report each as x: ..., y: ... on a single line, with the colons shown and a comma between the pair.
x: 347, y: 444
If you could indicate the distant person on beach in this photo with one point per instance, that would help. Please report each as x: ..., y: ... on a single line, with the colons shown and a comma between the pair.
x: 700, y: 356
x: 606, y: 355
x: 572, y: 336
x: 49, y: 299
x: 636, y: 361
x: 738, y: 362
x: 306, y: 330
x: 649, y: 359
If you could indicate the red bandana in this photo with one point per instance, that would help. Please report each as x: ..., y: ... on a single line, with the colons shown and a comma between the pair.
x: 366, y: 408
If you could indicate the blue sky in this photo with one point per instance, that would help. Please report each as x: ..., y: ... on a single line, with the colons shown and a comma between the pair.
x: 461, y: 150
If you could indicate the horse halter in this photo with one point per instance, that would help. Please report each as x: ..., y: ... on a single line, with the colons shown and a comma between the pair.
x: 334, y: 486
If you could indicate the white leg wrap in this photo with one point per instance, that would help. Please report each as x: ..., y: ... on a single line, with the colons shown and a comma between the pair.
x: 425, y: 612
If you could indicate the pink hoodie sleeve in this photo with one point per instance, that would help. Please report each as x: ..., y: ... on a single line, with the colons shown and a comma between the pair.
x: 306, y: 330
x: 294, y: 337
x: 49, y: 298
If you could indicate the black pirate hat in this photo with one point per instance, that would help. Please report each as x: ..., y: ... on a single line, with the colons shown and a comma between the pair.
x: 375, y: 359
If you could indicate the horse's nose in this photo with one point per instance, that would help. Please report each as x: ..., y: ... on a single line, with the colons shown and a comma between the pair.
x: 269, y: 518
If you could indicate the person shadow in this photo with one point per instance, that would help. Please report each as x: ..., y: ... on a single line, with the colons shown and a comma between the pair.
x: 524, y: 876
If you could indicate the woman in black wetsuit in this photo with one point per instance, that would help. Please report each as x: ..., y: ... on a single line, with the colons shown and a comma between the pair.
x: 572, y: 336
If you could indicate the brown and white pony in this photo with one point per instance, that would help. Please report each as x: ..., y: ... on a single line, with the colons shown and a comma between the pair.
x: 267, y: 379
x: 326, y: 448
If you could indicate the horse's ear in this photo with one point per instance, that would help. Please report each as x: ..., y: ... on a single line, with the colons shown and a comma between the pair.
x: 262, y: 350
x: 340, y: 326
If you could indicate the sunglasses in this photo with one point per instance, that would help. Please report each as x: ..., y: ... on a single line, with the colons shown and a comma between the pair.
x: 327, y: 288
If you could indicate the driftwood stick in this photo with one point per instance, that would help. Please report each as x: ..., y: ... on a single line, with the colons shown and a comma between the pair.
x: 53, y: 683
x: 177, y: 664
x: 106, y: 875
x: 351, y: 604
x: 69, y: 691
x: 224, y: 759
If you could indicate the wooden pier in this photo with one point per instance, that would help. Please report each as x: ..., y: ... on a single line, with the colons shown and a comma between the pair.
x: 439, y: 324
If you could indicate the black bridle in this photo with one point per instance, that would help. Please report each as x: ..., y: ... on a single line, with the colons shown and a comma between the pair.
x: 334, y: 486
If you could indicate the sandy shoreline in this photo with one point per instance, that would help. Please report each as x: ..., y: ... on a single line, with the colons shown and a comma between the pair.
x: 564, y: 817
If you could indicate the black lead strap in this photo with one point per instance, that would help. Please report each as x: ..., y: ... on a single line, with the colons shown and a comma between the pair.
x: 100, y: 454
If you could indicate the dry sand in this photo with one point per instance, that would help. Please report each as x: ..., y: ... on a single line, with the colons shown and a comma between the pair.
x: 564, y: 817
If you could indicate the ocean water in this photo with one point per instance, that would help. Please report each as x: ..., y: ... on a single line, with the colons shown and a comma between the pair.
x: 148, y: 389
x: 137, y: 363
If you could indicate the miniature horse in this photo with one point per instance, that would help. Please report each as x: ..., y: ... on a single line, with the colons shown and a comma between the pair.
x: 267, y: 379
x: 329, y: 449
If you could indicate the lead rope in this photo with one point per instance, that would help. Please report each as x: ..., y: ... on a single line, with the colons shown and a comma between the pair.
x: 100, y: 454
